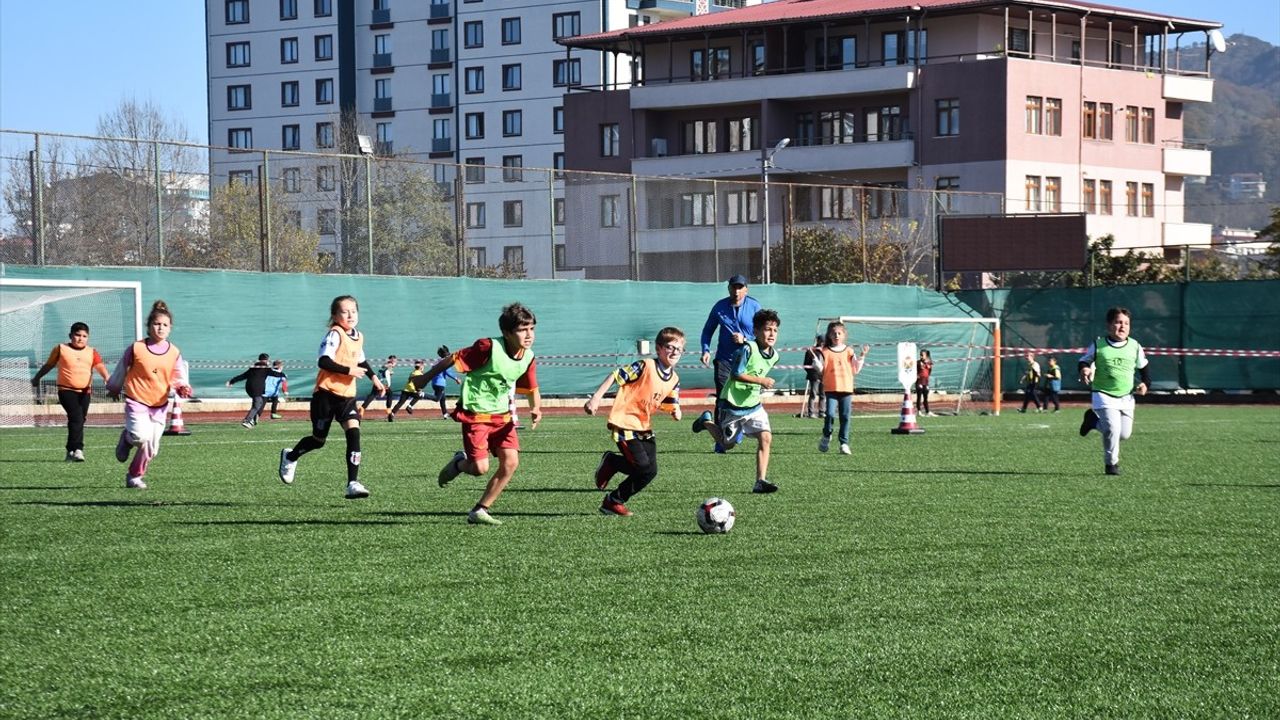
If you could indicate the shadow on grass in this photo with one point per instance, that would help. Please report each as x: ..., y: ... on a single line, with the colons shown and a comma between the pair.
x: 678, y: 532
x: 126, y: 503
x: 30, y: 461
x: 873, y: 471
x: 40, y: 487
x: 553, y: 490
x: 288, y: 522
x: 1236, y: 485
x: 462, y: 513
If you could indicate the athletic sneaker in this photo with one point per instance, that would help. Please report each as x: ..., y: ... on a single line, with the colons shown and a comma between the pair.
x: 612, y: 507
x: 764, y: 487
x: 391, y: 418
x: 287, y: 467
x: 355, y: 491
x: 122, y: 449
x: 276, y: 416
x: 824, y: 444
x: 134, y: 483
x: 480, y: 516
x: 603, y: 473
x: 1113, y: 469
x: 1090, y: 422
x: 77, y: 455
x: 451, y: 469
x: 704, y: 416
x: 246, y: 425
x: 844, y: 449
x: 71, y: 456
x: 409, y: 409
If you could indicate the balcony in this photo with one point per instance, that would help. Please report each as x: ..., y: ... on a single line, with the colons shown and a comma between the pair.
x: 441, y: 55
x: 382, y: 104
x: 385, y: 148
x: 1188, y: 161
x: 441, y: 100
x: 656, y: 93
x: 382, y: 60
x: 885, y: 154
x: 381, y: 16
x: 441, y: 10
x: 441, y: 144
x: 1187, y: 234
x: 1187, y: 89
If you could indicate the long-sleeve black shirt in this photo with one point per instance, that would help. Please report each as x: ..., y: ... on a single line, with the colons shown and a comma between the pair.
x: 255, y: 379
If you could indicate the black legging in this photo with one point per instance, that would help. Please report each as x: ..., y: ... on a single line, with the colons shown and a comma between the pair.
x: 76, y: 403
x: 638, y: 460
x: 922, y: 397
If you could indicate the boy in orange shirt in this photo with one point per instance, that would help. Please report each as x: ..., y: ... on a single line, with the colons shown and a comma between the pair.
x: 643, y: 387
x: 76, y: 363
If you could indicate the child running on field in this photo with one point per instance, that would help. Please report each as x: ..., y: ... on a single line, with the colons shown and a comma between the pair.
x: 840, y: 365
x: 740, y: 411
x: 277, y: 386
x: 341, y: 361
x: 1031, y: 383
x: 148, y: 371
x: 255, y: 386
x: 1108, y: 367
x: 384, y: 374
x: 439, y: 382
x: 76, y: 363
x: 1052, y: 384
x: 409, y: 393
x: 924, y: 368
x: 493, y: 367
x: 644, y: 386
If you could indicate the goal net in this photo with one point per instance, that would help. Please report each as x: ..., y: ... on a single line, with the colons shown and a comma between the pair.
x: 35, y: 315
x: 963, y: 351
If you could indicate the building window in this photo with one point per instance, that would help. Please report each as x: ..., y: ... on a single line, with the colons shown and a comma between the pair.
x: 239, y: 97
x: 441, y: 84
x: 841, y: 54
x: 699, y: 137
x: 440, y: 41
x: 323, y: 8
x: 697, y: 209
x: 557, y: 211
x: 240, y: 177
x: 292, y: 180
x: 511, y: 77
x: 948, y: 113
x: 1053, y: 194
x: 1053, y: 116
x: 513, y: 257
x: 804, y: 134
x: 1131, y: 123
x: 1131, y: 199
x: 566, y: 72
x: 326, y: 178
x: 836, y: 127
x: 1104, y: 197
x: 512, y: 123
x: 237, y: 54
x: 885, y: 200
x: 557, y: 120
x: 836, y: 203
x: 741, y: 207
x: 288, y: 9
x: 511, y: 31
x: 240, y: 138
x: 565, y: 25
x: 1089, y: 199
x: 324, y: 47
x: 758, y: 63
x: 744, y: 134
x: 382, y: 89
x: 884, y: 123
x: 324, y: 135
x: 511, y: 168
x: 382, y: 133
x: 442, y: 129
x: 557, y: 163
x: 1089, y: 123
x: 473, y: 80
x: 237, y: 12
x: 560, y: 256
x: 324, y: 91
x: 1149, y: 125
x: 1034, y: 112
x: 291, y: 137
x: 288, y: 50
x: 474, y: 170
x: 478, y: 257
x: 1148, y: 200
x: 1033, y: 203
x: 947, y: 187
x: 512, y: 213
x: 610, y: 140
x: 382, y: 44
x: 327, y: 221
x: 293, y: 218
x: 473, y: 34
x: 1020, y: 41
x: 1105, y: 122
x: 474, y: 125
x: 609, y: 205
x: 475, y: 215
x: 904, y: 47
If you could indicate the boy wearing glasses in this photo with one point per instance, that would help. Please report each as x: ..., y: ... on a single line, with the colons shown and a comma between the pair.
x: 644, y: 386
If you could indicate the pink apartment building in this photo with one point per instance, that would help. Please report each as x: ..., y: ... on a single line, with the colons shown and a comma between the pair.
x: 1069, y: 107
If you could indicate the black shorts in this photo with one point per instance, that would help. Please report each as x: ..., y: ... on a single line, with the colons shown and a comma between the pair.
x: 327, y: 407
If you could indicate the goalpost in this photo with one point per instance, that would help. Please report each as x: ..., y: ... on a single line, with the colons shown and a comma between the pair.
x: 37, y: 314
x: 966, y: 373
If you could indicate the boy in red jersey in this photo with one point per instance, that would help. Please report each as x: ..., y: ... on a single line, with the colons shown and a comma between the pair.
x: 493, y: 366
x: 643, y: 387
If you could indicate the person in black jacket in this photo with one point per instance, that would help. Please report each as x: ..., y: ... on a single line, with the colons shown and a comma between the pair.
x: 255, y: 386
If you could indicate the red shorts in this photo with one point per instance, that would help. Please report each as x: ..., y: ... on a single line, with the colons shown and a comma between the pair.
x: 480, y: 439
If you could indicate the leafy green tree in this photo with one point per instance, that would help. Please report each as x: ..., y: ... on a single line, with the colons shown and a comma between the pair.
x: 235, y: 240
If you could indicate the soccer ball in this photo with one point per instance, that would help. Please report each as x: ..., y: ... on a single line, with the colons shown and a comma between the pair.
x: 715, y: 515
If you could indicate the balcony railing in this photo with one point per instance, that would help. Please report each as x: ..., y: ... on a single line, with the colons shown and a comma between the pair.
x: 440, y: 55
x: 441, y: 100
x: 382, y: 104
x: 441, y: 144
x: 384, y: 147
x: 441, y: 10
x: 381, y: 16
x: 381, y: 60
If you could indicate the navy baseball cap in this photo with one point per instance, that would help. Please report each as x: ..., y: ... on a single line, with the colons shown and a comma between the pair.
x: 738, y: 280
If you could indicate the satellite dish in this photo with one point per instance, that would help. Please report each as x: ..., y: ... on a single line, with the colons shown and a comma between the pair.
x: 1216, y: 41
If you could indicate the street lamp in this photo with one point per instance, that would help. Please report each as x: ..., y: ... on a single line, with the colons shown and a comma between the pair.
x: 766, y: 162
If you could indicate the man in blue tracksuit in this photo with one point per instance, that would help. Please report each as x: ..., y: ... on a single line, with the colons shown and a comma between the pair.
x: 734, y: 316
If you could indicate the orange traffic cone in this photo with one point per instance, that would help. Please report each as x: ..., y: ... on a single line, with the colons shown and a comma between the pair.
x: 175, y: 418
x: 907, y: 425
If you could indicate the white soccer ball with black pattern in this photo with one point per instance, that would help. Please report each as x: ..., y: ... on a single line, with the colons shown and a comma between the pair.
x: 715, y: 516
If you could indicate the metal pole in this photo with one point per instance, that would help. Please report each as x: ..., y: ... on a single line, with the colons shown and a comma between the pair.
x: 764, y: 214
x: 368, y: 201
x: 632, y: 220
x: 155, y: 154
x: 715, y: 236
x: 266, y: 208
x: 551, y: 198
x: 37, y: 204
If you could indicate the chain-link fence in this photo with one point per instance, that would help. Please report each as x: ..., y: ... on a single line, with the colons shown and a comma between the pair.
x: 82, y: 200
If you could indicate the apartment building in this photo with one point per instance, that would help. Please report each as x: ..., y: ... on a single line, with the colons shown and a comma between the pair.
x: 1059, y: 107
x: 444, y: 82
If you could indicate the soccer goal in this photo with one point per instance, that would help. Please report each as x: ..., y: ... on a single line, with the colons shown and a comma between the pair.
x: 35, y: 315
x: 964, y: 351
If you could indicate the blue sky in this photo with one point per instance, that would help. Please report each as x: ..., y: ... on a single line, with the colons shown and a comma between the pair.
x: 65, y: 62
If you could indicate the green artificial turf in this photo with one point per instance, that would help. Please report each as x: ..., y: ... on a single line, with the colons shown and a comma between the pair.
x: 986, y: 569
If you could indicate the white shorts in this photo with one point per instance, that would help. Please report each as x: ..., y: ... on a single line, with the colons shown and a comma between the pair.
x: 750, y: 425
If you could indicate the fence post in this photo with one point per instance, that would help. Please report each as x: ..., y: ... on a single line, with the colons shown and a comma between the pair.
x: 155, y: 155
x: 368, y: 205
x: 264, y: 187
x: 460, y: 220
x: 551, y: 214
x: 634, y: 232
x: 37, y: 203
x: 715, y: 228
